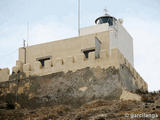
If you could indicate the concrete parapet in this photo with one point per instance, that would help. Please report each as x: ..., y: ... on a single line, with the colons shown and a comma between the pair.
x: 74, y: 63
x: 69, y: 63
x: 4, y: 74
x: 121, y: 59
x: 115, y: 57
x: 15, y: 69
x: 19, y: 65
x: 69, y: 60
x: 48, y: 64
x: 79, y: 58
x: 28, y: 73
x: 104, y: 54
x: 58, y: 62
x: 37, y: 66
x: 92, y: 56
x: 58, y: 65
x: 26, y: 67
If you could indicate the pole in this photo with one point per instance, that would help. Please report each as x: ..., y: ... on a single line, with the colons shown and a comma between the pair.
x: 27, y: 33
x: 79, y: 17
x: 24, y: 43
x: 24, y: 47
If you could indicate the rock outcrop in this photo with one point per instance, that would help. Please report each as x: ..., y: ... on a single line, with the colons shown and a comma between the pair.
x: 94, y: 110
x: 126, y: 95
x: 72, y: 88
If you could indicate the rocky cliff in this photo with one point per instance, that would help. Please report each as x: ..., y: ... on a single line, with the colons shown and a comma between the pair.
x: 72, y: 88
x: 147, y: 109
x: 68, y: 91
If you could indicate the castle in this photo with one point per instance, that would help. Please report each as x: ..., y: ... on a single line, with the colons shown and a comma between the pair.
x: 105, y: 44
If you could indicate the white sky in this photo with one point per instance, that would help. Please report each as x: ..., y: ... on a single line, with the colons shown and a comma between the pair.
x: 57, y: 19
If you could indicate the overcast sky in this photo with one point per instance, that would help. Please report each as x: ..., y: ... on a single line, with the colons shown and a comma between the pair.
x: 51, y: 20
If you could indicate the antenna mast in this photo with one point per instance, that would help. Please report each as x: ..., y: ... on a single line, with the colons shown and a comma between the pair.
x: 24, y: 47
x: 105, y: 11
x: 79, y: 17
x: 27, y: 33
x: 24, y: 43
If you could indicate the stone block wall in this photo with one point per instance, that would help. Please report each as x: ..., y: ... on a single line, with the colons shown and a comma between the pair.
x: 4, y: 74
x: 74, y: 63
x: 70, y: 63
x: 138, y: 80
x: 71, y: 88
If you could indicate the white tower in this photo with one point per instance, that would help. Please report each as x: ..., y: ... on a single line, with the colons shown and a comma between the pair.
x: 118, y: 35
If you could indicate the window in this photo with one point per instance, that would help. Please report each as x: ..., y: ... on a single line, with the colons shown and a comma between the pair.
x: 87, y: 51
x: 109, y: 20
x: 43, y: 59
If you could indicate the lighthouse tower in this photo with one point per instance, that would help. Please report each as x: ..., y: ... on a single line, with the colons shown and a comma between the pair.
x: 118, y: 35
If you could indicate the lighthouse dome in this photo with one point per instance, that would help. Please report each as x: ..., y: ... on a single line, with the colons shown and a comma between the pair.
x: 106, y: 19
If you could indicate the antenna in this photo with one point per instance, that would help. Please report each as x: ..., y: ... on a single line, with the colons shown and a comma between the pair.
x: 105, y: 7
x: 24, y: 43
x: 79, y: 17
x: 105, y: 11
x: 24, y: 47
x: 27, y: 33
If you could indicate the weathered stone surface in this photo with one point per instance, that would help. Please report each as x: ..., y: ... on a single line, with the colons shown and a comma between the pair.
x: 71, y: 88
x: 126, y: 95
x: 3, y: 105
x: 94, y: 110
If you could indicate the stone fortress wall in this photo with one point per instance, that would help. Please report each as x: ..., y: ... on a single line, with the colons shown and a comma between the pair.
x: 73, y: 63
x: 70, y: 58
x: 4, y: 74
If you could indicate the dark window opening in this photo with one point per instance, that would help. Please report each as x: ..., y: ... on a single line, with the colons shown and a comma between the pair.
x: 42, y: 60
x: 86, y: 52
x: 108, y: 20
